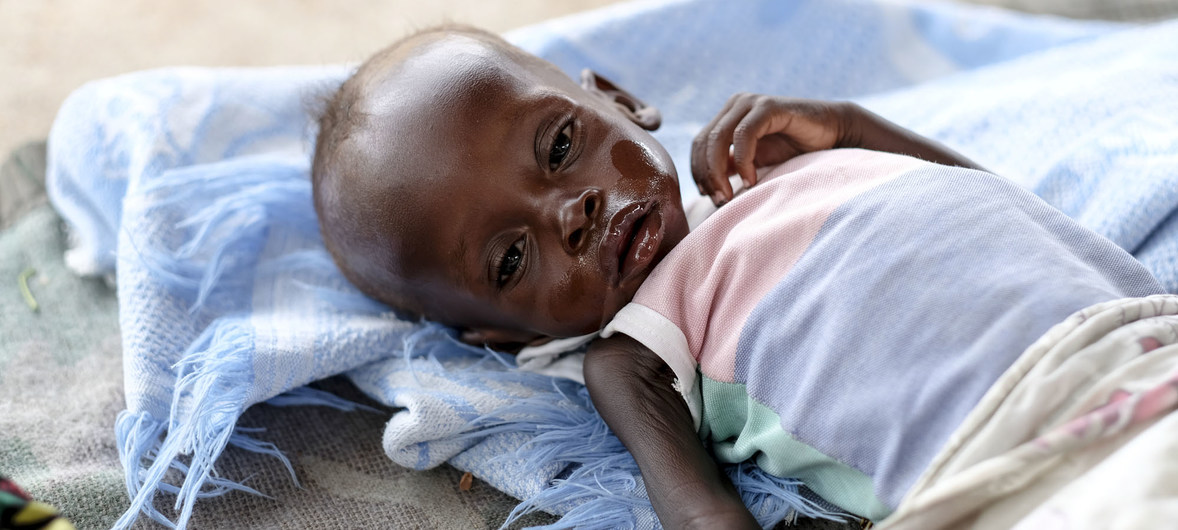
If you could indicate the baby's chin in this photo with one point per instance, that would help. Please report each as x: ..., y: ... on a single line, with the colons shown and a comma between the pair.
x: 624, y: 294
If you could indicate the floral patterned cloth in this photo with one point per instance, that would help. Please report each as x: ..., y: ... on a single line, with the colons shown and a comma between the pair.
x: 1079, y: 433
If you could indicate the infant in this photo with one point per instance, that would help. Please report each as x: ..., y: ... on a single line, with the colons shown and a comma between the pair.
x: 460, y: 179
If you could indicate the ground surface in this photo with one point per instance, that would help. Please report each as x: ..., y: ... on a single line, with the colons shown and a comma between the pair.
x: 50, y: 47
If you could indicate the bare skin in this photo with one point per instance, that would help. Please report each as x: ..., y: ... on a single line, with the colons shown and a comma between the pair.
x: 516, y: 205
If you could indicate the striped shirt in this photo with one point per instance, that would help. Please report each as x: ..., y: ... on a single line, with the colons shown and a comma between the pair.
x: 838, y: 320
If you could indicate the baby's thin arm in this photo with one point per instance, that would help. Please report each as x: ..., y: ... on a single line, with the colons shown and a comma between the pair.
x: 631, y: 388
x: 869, y: 130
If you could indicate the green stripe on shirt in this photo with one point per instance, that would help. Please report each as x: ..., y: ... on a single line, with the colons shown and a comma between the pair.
x: 740, y: 428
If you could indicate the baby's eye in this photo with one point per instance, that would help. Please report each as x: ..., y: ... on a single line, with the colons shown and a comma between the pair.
x: 510, y: 261
x: 560, y: 147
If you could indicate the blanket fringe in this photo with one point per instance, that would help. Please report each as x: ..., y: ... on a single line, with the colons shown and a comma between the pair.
x: 601, y: 487
x: 305, y: 395
x: 250, y: 195
x: 210, y: 396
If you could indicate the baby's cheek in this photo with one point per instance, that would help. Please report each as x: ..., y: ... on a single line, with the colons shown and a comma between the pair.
x: 633, y: 161
x: 575, y: 301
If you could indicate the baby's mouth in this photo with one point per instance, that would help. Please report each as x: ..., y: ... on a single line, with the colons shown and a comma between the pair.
x: 631, y: 241
x: 627, y: 241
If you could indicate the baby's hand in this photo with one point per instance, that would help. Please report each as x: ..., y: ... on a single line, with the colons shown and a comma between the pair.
x: 767, y: 130
x: 763, y: 131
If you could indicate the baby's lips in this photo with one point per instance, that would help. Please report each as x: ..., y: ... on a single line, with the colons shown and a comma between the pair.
x: 617, y: 233
x: 643, y: 243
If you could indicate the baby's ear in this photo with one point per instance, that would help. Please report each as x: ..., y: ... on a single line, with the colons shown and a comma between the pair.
x: 646, y: 116
x: 499, y: 340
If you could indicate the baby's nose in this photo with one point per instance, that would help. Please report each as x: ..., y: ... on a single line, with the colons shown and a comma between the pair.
x: 577, y: 217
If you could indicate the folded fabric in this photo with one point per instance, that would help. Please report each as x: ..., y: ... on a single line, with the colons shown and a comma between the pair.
x: 191, y: 185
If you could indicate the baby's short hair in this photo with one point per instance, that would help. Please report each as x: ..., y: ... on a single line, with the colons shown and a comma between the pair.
x: 341, y: 116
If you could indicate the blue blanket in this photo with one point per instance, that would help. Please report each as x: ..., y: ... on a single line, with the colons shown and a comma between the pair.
x: 191, y: 186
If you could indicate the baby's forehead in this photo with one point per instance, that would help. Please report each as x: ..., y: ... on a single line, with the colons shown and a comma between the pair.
x: 423, y: 108
x: 437, y: 71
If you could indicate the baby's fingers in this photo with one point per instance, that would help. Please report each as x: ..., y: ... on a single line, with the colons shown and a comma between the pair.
x: 699, y: 158
x: 710, y: 152
x: 753, y: 125
x: 720, y: 190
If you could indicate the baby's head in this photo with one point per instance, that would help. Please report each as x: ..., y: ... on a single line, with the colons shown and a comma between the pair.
x: 462, y: 179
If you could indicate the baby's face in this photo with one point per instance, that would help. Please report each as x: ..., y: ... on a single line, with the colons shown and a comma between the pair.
x: 534, y: 207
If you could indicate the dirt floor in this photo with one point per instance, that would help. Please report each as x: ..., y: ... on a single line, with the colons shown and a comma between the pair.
x: 50, y: 47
